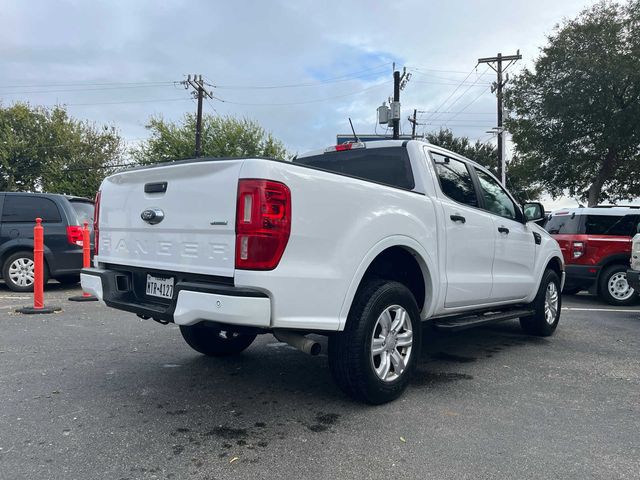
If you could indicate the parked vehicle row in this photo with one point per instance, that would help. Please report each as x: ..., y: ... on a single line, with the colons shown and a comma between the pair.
x: 62, y: 219
x: 596, y: 245
x: 366, y: 243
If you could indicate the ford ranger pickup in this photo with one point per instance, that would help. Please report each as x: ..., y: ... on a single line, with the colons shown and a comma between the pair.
x: 365, y: 243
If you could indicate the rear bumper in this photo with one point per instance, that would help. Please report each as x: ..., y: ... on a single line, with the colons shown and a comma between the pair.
x: 192, y: 302
x: 581, y: 275
x: 633, y: 278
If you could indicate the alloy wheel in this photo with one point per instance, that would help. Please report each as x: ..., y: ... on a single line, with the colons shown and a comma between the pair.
x: 391, y: 343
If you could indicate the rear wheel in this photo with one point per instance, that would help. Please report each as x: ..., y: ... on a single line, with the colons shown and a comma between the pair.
x: 214, y: 341
x: 373, y: 358
x: 18, y: 272
x: 547, y: 305
x: 614, y: 288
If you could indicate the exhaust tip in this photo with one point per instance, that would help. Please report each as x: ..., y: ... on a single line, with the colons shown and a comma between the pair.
x: 315, y: 349
x: 302, y: 343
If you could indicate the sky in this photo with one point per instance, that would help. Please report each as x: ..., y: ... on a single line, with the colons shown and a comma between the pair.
x: 300, y: 68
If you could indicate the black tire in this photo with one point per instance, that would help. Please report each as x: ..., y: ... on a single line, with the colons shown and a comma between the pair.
x: 350, y: 357
x: 571, y: 290
x: 538, y: 324
x: 69, y: 279
x: 14, y: 284
x: 214, y: 342
x: 611, y: 283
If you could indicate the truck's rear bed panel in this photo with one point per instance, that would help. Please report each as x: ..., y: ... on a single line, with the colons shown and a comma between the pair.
x: 197, y: 233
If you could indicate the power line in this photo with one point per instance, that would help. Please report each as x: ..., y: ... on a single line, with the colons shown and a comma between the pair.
x: 457, y: 99
x: 468, y: 113
x: 451, y: 94
x: 341, y: 78
x: 467, y: 106
x: 84, y: 89
x: 155, y: 100
x: 453, y: 84
x: 437, y: 77
x: 83, y: 84
x: 304, y: 102
x: 419, y: 68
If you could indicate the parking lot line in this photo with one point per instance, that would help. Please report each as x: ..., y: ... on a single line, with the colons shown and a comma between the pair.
x: 577, y: 309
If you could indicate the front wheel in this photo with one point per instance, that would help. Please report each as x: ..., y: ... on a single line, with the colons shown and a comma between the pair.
x: 373, y: 358
x: 215, y: 342
x: 546, y: 305
x: 614, y: 288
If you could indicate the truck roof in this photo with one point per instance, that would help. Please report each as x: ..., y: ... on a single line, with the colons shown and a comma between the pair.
x: 396, y: 143
x: 605, y: 211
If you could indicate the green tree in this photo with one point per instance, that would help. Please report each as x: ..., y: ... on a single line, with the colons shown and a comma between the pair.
x: 518, y: 180
x: 221, y: 137
x: 43, y: 149
x: 576, y: 122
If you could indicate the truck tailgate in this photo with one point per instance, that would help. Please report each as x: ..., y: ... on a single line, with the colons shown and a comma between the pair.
x: 197, y: 232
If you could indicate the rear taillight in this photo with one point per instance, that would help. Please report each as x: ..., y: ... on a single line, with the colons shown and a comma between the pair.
x: 96, y: 218
x: 263, y: 223
x: 577, y: 249
x: 74, y: 235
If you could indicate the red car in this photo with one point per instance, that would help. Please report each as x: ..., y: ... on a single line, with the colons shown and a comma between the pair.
x: 596, y: 244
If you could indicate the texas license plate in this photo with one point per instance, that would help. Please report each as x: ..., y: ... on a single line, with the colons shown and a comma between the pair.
x: 159, y: 287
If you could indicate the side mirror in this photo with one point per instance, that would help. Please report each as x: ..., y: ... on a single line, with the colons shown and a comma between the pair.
x: 533, y: 212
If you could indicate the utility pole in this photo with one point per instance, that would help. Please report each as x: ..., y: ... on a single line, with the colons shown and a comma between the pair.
x: 414, y: 122
x: 199, y: 92
x: 497, y: 87
x: 396, y: 100
x: 399, y: 82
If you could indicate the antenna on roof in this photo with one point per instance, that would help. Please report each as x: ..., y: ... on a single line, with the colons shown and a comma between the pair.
x: 353, y: 130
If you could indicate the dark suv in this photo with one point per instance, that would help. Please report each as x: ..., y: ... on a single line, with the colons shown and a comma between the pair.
x: 62, y: 219
x: 596, y: 244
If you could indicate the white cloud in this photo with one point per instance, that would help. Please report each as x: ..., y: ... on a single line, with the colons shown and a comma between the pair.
x: 266, y: 43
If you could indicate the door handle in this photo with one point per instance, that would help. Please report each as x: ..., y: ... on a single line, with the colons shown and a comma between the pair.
x: 458, y: 218
x: 503, y: 230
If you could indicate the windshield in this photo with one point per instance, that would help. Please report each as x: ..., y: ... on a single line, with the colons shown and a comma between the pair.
x: 84, y: 211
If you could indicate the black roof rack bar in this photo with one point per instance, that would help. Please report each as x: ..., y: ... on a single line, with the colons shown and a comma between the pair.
x: 617, y: 206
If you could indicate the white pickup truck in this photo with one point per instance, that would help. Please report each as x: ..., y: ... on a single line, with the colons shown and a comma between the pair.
x: 366, y: 243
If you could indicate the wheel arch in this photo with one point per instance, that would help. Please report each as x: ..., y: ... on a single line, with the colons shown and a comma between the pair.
x: 417, y: 272
x: 555, y: 264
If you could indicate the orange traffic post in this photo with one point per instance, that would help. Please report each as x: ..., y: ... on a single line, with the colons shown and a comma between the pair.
x: 38, y: 273
x: 86, y: 263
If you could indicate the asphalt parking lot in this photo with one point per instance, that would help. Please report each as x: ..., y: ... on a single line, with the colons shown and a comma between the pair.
x: 92, y: 393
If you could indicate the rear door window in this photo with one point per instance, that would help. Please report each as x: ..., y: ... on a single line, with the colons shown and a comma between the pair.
x: 390, y: 165
x: 25, y: 209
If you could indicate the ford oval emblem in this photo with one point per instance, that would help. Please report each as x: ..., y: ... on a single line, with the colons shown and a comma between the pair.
x: 152, y: 215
